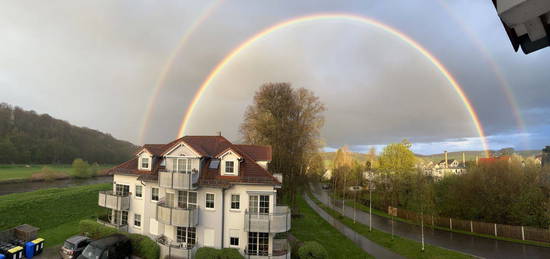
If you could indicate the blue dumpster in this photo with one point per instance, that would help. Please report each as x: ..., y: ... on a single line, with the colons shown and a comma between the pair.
x: 2, y: 256
x: 29, y: 249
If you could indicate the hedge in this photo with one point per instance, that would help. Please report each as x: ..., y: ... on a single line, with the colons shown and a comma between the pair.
x: 142, y: 246
x: 312, y: 250
x: 212, y: 253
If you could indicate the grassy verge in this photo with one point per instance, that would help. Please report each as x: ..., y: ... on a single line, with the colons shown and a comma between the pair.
x: 311, y: 227
x: 17, y: 172
x: 403, y: 246
x: 55, y: 211
x: 364, y: 208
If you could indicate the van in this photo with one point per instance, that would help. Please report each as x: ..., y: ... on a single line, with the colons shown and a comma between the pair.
x: 116, y: 246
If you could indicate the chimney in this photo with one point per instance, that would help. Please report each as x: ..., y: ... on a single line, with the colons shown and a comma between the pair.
x: 463, y: 158
x: 446, y: 160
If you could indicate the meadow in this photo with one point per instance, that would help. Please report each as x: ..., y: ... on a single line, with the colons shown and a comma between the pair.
x: 23, y: 172
x: 55, y: 211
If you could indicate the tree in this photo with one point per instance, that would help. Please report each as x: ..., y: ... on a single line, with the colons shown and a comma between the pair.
x: 81, y: 168
x: 397, y: 158
x: 289, y: 120
x: 316, y: 168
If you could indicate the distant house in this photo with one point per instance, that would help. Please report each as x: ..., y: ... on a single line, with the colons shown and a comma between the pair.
x: 491, y: 160
x: 448, y: 166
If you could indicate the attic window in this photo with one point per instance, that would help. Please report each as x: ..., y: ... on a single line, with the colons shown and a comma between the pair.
x: 145, y: 162
x: 214, y: 164
x: 229, y: 165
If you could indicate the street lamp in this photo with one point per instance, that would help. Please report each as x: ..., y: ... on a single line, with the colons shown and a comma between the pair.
x: 371, y: 187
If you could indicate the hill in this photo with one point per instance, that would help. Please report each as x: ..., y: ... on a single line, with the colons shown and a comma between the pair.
x: 27, y: 137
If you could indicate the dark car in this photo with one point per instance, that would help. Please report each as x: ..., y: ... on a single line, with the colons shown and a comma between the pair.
x: 116, y: 246
x: 74, y: 246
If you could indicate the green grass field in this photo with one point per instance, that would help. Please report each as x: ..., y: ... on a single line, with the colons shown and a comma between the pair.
x: 55, y: 211
x: 403, y: 246
x: 311, y: 227
x: 15, y: 172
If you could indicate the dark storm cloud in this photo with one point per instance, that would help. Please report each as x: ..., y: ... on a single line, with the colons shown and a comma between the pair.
x: 95, y: 64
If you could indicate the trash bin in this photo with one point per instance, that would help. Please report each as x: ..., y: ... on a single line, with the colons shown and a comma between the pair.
x: 29, y: 249
x: 39, y: 245
x: 12, y: 252
x: 2, y: 256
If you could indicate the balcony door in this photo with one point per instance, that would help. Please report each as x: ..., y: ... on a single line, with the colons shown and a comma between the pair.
x: 182, y: 165
x: 258, y: 204
x: 122, y: 190
x: 187, y: 200
x: 258, y: 243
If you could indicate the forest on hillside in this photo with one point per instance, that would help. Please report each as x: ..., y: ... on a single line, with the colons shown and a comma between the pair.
x: 30, y: 138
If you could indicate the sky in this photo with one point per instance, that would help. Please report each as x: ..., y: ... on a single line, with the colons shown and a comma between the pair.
x: 97, y: 64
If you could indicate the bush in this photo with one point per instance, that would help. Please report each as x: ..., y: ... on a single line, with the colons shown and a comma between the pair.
x: 142, y: 246
x: 312, y: 250
x: 212, y: 253
x: 81, y: 168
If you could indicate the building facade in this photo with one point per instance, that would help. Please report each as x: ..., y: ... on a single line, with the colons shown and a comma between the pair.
x: 200, y: 191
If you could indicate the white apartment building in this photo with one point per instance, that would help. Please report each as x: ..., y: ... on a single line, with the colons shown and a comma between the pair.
x: 200, y: 191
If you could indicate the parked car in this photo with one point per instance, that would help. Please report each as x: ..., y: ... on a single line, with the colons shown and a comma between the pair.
x: 74, y: 246
x: 116, y: 246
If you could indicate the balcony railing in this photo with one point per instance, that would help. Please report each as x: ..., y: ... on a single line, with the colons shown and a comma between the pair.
x: 180, y: 180
x: 118, y: 226
x: 175, y: 216
x: 175, y: 250
x: 281, y: 250
x: 276, y: 222
x: 114, y: 201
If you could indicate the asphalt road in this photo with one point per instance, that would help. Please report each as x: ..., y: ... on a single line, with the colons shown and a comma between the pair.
x: 477, y: 246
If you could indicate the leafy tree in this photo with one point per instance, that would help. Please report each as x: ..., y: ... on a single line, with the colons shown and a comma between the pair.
x: 289, y: 120
x: 81, y: 168
x: 316, y: 167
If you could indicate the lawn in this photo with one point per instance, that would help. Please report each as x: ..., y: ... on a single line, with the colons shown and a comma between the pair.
x: 403, y: 246
x: 14, y: 172
x: 311, y: 227
x: 55, y: 211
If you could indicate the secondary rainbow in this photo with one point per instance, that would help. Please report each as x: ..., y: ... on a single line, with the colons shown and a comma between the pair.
x: 170, y: 62
x: 335, y: 16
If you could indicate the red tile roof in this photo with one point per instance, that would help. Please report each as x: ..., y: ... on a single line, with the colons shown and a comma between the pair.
x: 208, y: 147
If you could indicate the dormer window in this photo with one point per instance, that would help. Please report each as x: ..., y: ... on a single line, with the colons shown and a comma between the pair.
x: 229, y: 167
x: 145, y: 162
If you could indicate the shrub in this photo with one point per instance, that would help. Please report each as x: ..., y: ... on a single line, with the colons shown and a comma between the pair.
x: 142, y: 246
x: 212, y: 253
x: 312, y: 250
x: 81, y: 168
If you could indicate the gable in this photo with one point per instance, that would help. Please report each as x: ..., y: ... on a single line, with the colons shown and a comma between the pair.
x: 182, y: 150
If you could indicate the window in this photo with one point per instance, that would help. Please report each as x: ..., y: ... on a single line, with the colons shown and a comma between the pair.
x: 122, y: 190
x: 259, y: 204
x: 258, y: 243
x: 144, y: 162
x: 210, y: 200
x: 155, y: 194
x: 229, y: 166
x: 187, y: 200
x: 162, y: 162
x: 235, y: 201
x: 181, y: 165
x: 139, y: 191
x: 234, y: 241
x: 214, y: 163
x: 137, y: 220
x: 186, y: 235
x: 124, y: 218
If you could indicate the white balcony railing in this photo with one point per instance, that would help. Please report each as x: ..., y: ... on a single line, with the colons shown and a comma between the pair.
x: 175, y: 250
x: 114, y: 201
x: 179, y: 180
x: 117, y: 226
x: 281, y: 250
x: 175, y: 216
x: 276, y: 222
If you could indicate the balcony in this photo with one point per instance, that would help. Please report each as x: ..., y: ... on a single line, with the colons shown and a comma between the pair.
x: 281, y: 250
x: 175, y: 250
x: 106, y: 222
x: 276, y: 222
x: 111, y: 200
x: 179, y: 217
x: 179, y: 180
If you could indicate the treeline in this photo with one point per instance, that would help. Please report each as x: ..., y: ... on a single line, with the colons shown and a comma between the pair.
x: 513, y: 192
x: 27, y: 137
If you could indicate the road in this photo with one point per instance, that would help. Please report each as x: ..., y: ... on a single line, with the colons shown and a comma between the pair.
x: 477, y: 246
